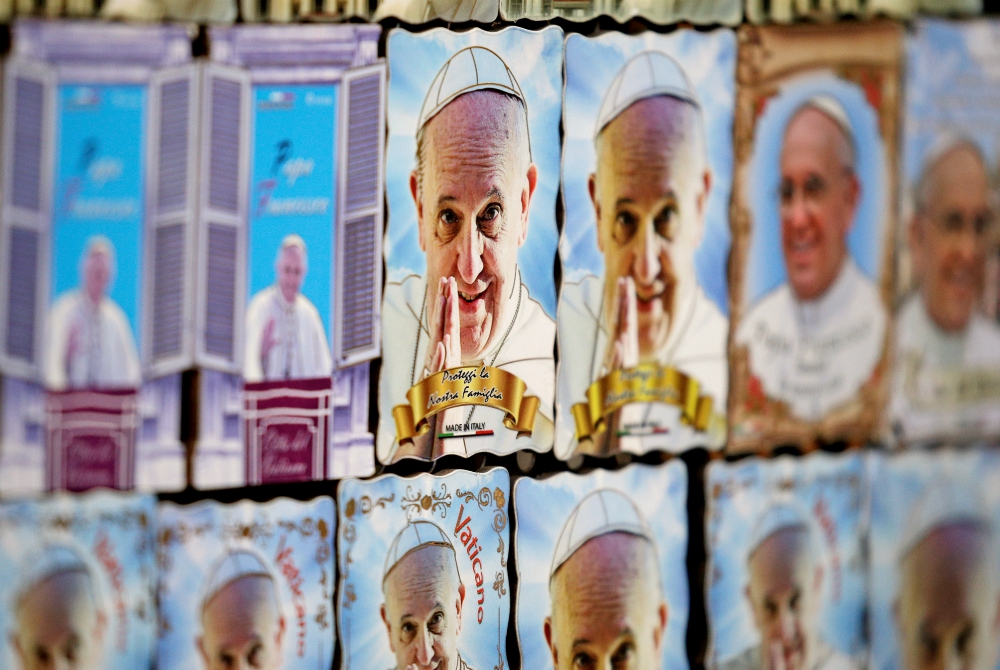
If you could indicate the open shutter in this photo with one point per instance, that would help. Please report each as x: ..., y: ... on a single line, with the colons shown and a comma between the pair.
x: 360, y: 175
x: 29, y: 116
x: 225, y: 165
x: 171, y: 206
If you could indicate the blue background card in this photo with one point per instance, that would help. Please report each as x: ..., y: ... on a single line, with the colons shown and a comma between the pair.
x: 831, y: 490
x: 293, y: 187
x: 898, y: 483
x: 114, y: 535
x: 709, y: 61
x: 295, y: 538
x: 374, y: 512
x: 99, y: 187
x: 535, y: 58
x: 542, y: 507
x: 765, y: 269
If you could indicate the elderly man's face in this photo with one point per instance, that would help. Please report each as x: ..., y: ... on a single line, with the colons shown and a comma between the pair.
x: 242, y: 627
x: 946, y: 612
x: 472, y: 207
x: 783, y: 591
x: 423, y: 610
x: 607, y: 611
x: 59, y: 625
x: 96, y: 274
x: 818, y: 196
x: 291, y: 271
x: 649, y: 195
x: 949, y: 237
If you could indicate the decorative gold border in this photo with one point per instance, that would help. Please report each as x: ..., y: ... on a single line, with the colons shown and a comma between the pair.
x: 869, y: 54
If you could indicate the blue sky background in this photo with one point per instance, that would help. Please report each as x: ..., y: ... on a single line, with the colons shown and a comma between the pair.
x: 738, y: 494
x: 189, y: 563
x: 28, y: 526
x: 953, y: 86
x: 310, y: 125
x: 535, y: 58
x: 709, y: 59
x: 765, y: 263
x: 363, y: 635
x: 110, y: 119
x: 898, y: 482
x: 542, y: 507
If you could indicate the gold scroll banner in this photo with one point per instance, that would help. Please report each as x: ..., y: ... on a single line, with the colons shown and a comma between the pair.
x: 457, y: 387
x: 647, y: 382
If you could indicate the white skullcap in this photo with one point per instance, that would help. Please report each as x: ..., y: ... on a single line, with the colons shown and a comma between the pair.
x: 945, y: 143
x: 471, y: 69
x: 646, y: 75
x: 945, y: 503
x: 55, y: 560
x: 832, y: 108
x: 602, y: 512
x: 293, y: 240
x: 236, y: 564
x: 416, y: 535
x: 778, y: 517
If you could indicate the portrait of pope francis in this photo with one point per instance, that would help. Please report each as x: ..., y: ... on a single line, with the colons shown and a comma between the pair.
x: 816, y: 339
x: 285, y: 335
x: 649, y: 189
x: 472, y: 187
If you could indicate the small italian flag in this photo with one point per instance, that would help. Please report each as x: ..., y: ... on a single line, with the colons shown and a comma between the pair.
x: 469, y: 433
x: 639, y: 431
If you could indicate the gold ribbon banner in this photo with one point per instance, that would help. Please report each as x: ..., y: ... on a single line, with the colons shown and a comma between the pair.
x: 647, y: 382
x: 458, y: 387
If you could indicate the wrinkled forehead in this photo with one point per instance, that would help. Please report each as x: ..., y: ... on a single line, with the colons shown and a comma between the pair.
x: 423, y: 576
x: 812, y: 135
x: 613, y: 566
x: 247, y: 601
x: 479, y: 128
x: 58, y: 596
x: 781, y: 556
x: 961, y: 168
x: 659, y: 125
x: 291, y: 255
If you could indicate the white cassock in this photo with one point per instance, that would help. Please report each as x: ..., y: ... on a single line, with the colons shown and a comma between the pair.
x: 815, y: 355
x: 455, y: 11
x: 301, y: 350
x: 696, y: 347
x: 105, y: 355
x: 944, y: 384
x: 826, y: 658
x: 525, y: 352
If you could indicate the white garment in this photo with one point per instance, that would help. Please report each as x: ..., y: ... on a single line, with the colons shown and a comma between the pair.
x: 826, y: 658
x: 301, y: 350
x: 929, y: 363
x: 105, y: 355
x: 815, y: 355
x: 526, y: 352
x: 696, y: 347
x: 455, y: 11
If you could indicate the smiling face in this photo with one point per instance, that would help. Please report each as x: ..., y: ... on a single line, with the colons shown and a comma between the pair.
x: 947, y: 613
x: 649, y: 194
x: 949, y: 236
x: 607, y: 611
x: 473, y: 188
x: 291, y: 270
x: 423, y: 609
x: 783, y: 591
x: 242, y: 627
x: 59, y: 625
x: 97, y: 274
x: 818, y: 196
